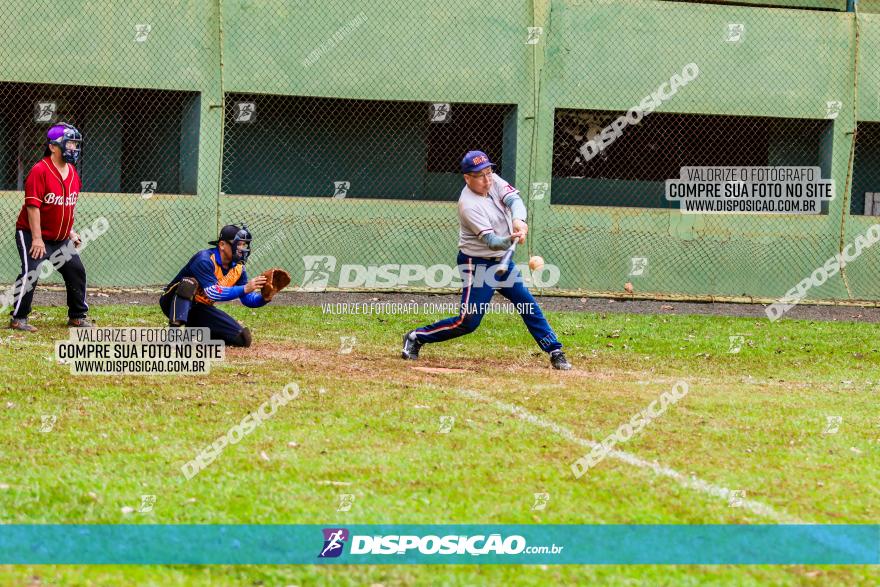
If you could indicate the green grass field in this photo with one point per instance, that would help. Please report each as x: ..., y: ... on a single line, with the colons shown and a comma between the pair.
x: 367, y: 424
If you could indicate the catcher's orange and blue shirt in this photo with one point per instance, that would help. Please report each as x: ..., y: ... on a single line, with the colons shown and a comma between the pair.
x: 215, y: 283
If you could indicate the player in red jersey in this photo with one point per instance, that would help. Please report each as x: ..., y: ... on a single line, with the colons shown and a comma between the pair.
x: 45, y: 225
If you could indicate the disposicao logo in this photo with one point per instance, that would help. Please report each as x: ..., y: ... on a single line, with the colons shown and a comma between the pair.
x: 334, y: 541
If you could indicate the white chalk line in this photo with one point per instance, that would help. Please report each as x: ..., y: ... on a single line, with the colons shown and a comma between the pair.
x: 689, y: 482
x: 833, y: 542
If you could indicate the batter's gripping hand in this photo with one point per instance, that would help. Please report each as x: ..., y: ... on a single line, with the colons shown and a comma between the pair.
x: 276, y: 280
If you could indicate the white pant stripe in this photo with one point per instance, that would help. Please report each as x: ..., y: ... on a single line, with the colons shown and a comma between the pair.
x: 24, y: 283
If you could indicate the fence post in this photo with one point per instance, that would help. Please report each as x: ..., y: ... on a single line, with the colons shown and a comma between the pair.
x: 541, y: 147
x: 222, y: 107
x: 845, y: 196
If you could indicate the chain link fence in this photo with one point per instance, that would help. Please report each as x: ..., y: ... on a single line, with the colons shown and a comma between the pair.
x: 139, y: 82
x: 335, y: 131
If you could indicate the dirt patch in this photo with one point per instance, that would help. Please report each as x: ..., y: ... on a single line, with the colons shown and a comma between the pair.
x: 526, y: 377
x: 439, y: 370
x: 312, y: 359
x: 273, y: 351
x: 485, y: 372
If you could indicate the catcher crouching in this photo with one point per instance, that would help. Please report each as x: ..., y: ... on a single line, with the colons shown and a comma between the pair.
x: 217, y: 275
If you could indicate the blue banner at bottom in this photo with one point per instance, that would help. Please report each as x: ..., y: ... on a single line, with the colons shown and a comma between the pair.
x: 439, y: 544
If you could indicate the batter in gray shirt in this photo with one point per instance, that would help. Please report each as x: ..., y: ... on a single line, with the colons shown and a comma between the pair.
x: 486, y: 222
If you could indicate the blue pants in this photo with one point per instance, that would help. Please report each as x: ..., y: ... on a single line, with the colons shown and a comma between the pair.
x: 222, y: 326
x: 476, y: 294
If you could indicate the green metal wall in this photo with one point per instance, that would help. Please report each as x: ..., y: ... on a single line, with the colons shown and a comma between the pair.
x: 598, y: 54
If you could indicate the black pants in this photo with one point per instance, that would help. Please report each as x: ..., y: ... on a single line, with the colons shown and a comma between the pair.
x: 72, y: 271
x: 222, y: 326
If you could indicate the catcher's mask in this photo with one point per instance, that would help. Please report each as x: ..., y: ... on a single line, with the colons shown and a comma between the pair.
x: 234, y: 234
x: 67, y: 138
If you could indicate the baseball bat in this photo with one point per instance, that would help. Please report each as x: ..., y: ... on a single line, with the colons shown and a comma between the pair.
x: 505, y: 261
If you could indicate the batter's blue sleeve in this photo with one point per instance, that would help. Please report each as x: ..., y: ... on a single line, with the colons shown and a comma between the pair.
x: 517, y: 208
x: 495, y: 242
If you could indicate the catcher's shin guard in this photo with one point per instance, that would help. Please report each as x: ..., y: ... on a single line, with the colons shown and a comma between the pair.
x: 182, y: 301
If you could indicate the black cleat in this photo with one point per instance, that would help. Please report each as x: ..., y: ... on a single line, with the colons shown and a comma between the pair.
x: 411, y: 346
x: 558, y: 360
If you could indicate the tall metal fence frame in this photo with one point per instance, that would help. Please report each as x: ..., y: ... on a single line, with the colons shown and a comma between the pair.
x: 595, y: 246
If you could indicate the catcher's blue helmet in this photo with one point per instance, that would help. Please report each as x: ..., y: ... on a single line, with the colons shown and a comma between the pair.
x: 233, y: 235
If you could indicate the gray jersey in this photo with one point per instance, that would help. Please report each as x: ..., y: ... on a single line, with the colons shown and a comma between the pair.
x: 478, y: 215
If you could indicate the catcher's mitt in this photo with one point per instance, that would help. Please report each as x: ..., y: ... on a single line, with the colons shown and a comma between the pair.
x: 276, y: 280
